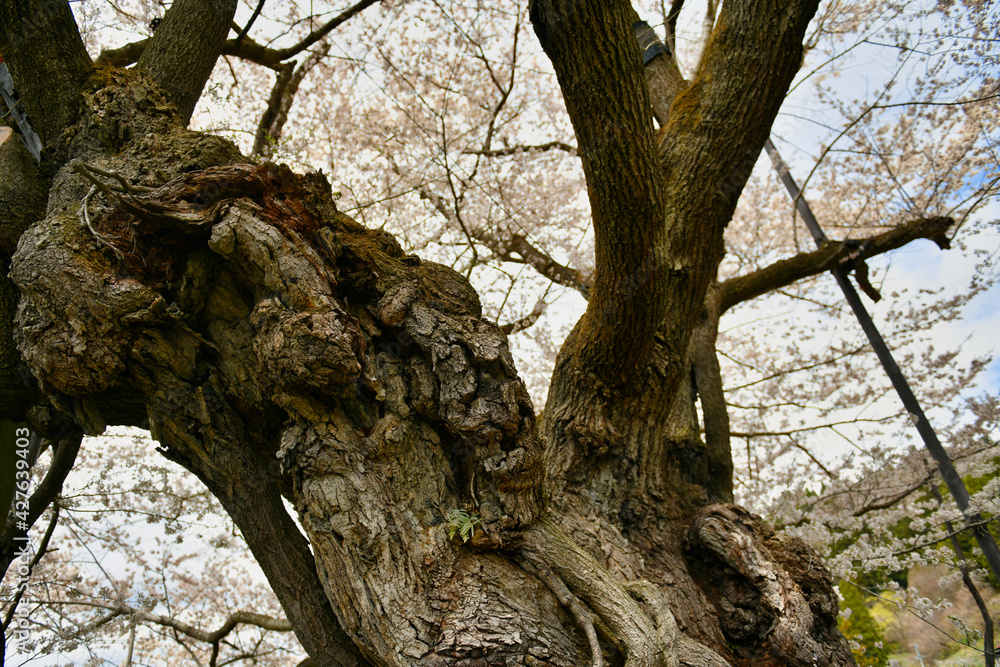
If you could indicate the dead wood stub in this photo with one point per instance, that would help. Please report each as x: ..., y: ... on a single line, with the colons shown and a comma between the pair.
x: 153, y: 230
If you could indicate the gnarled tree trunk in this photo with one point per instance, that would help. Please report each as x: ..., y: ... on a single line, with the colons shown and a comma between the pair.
x: 275, y: 347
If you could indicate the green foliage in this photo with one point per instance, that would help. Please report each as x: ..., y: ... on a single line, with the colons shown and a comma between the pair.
x: 462, y: 524
x: 903, y: 531
x: 967, y: 540
x: 861, y: 629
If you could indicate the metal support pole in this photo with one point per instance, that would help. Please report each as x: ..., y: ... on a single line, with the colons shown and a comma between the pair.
x: 28, y: 136
x: 651, y: 47
x: 973, y: 520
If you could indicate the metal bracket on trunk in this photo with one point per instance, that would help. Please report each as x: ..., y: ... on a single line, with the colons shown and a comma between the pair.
x: 28, y: 136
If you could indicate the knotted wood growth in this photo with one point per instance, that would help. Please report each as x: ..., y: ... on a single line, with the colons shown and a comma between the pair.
x: 278, y: 349
x: 273, y: 345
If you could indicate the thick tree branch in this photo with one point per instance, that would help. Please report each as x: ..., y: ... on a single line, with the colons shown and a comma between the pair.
x: 663, y: 77
x: 525, y: 322
x: 22, y: 202
x: 181, y: 54
x: 64, y: 452
x: 22, y: 191
x: 671, y: 20
x: 123, y: 56
x: 714, y: 133
x: 830, y: 256
x: 244, y: 48
x: 48, y: 62
x: 597, y: 62
x: 262, y: 139
x: 707, y: 378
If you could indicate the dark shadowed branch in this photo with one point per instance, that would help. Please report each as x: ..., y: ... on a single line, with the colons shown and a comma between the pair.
x: 39, y: 553
x: 274, y: 56
x: 517, y: 248
x: 48, y: 61
x: 123, y: 56
x: 64, y: 451
x: 527, y: 321
x: 263, y: 138
x: 253, y: 18
x: 286, y: 85
x: 671, y: 19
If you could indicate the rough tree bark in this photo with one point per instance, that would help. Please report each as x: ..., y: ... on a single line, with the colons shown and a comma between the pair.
x: 275, y: 347
x: 22, y: 201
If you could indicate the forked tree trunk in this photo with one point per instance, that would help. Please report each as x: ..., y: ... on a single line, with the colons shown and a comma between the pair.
x: 275, y: 347
x: 272, y: 345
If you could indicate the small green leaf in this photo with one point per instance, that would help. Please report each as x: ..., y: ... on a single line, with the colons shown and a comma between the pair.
x: 462, y: 523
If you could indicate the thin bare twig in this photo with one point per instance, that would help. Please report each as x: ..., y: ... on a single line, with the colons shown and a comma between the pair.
x: 246, y: 28
x: 242, y: 46
x: 43, y: 547
x: 933, y: 625
x: 515, y: 150
x: 237, y: 618
x: 85, y: 218
x: 324, y: 30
